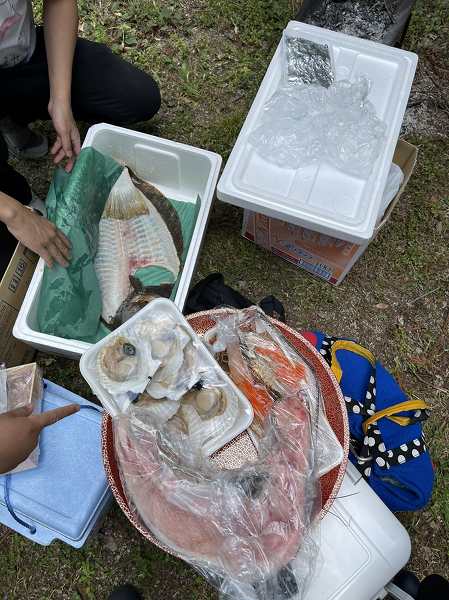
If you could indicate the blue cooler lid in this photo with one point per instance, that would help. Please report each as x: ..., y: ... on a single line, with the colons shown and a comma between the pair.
x: 66, y: 494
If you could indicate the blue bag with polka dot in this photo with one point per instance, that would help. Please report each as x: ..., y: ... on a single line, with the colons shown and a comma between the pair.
x: 387, y: 442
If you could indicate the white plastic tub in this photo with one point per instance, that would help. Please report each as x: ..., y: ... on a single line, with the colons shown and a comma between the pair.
x: 178, y: 171
x: 319, y: 197
x: 89, y: 370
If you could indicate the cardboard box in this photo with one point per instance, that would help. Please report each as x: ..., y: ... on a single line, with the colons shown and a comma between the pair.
x: 326, y: 257
x: 13, y: 287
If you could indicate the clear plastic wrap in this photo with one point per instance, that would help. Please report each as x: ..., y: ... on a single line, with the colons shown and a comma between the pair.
x: 266, y: 367
x: 301, y: 125
x: 23, y: 386
x: 248, y: 530
x: 394, y: 181
x: 240, y: 527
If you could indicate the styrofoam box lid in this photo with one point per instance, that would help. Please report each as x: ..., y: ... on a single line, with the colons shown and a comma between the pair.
x: 319, y: 196
x: 63, y: 496
x: 88, y: 368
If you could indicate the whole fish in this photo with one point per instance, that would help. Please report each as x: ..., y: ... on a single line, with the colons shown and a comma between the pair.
x: 139, y: 229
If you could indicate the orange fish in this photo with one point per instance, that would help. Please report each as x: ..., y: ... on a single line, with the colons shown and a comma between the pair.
x: 257, y: 394
x: 285, y: 369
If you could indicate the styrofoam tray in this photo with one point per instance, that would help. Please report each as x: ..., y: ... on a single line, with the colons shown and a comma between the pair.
x: 181, y: 172
x: 89, y: 370
x: 319, y: 197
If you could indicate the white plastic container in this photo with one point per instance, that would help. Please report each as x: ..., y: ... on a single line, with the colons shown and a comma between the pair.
x: 178, y: 171
x: 88, y: 368
x: 319, y: 197
x: 362, y: 545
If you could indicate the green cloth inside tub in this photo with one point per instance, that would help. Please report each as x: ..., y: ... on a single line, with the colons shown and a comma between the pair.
x: 70, y: 301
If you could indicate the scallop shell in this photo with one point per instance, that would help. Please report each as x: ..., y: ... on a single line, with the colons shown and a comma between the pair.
x: 119, y: 373
x: 204, y: 431
x: 172, y: 379
x: 160, y: 334
x: 161, y: 410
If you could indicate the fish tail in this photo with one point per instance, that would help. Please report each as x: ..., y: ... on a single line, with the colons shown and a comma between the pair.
x: 125, y: 200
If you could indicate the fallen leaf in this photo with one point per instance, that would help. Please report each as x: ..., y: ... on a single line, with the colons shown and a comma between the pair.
x: 382, y: 306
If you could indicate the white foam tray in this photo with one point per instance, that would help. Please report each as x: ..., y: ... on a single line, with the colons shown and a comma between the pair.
x: 320, y: 197
x: 88, y: 368
x: 181, y: 172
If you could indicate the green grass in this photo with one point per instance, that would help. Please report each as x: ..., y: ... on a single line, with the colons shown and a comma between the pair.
x: 209, y: 57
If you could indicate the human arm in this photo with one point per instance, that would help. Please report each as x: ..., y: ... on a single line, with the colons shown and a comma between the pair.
x: 20, y: 429
x: 35, y: 232
x: 60, y: 31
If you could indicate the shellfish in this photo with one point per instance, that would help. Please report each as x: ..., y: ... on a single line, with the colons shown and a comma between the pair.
x: 119, y: 360
x: 162, y: 410
x: 208, y: 413
x: 123, y: 366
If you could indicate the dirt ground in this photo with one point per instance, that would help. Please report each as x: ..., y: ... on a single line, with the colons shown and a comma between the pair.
x: 210, y: 56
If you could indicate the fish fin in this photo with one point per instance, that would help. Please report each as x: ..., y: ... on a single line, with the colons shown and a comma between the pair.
x: 109, y: 325
x: 164, y: 290
x: 164, y: 208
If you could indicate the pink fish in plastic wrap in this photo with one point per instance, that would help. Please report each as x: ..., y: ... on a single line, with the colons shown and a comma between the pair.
x: 245, y: 524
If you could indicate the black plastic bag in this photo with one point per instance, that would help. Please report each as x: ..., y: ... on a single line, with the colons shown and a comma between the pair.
x: 383, y: 21
x: 212, y: 292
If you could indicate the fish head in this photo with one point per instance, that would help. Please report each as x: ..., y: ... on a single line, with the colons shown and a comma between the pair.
x: 138, y: 298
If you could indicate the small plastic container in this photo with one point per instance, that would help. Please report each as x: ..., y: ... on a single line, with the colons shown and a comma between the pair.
x: 319, y: 197
x: 179, y: 171
x: 65, y: 497
x: 89, y: 370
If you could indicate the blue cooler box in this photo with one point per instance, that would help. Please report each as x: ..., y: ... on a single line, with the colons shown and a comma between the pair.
x: 67, y: 494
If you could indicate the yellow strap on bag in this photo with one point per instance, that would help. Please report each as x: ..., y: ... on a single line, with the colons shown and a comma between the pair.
x: 393, y: 410
x: 351, y: 347
x: 389, y: 412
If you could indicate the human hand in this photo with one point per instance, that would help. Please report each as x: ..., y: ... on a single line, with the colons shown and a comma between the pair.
x: 67, y: 143
x: 20, y: 429
x: 39, y: 235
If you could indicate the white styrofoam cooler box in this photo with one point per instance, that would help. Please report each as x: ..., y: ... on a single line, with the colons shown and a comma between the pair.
x: 179, y: 171
x: 362, y: 545
x: 320, y: 197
